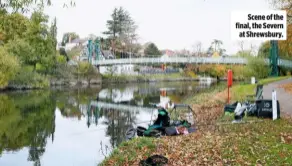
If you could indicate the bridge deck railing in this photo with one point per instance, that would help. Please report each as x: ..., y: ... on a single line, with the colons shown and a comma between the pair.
x: 185, y: 60
x: 234, y: 60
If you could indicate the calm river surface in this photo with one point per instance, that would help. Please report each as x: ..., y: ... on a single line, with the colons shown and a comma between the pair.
x: 78, y: 127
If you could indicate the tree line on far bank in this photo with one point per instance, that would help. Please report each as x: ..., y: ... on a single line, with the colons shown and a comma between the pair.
x: 28, y: 53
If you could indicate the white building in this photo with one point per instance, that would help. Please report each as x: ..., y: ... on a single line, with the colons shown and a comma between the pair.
x: 73, y: 43
x: 117, y: 95
x: 118, y: 69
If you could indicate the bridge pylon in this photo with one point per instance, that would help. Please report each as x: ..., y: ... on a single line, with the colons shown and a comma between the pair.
x: 274, y: 56
x: 94, y: 50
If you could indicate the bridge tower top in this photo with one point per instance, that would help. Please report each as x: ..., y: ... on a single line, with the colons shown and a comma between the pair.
x: 94, y: 50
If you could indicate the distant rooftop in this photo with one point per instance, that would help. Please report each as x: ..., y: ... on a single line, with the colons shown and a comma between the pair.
x: 75, y: 41
x: 78, y: 41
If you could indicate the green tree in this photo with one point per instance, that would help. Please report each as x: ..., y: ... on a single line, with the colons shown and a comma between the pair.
x: 128, y: 27
x: 25, y: 5
x: 69, y: 36
x: 105, y: 43
x: 23, y: 50
x: 29, y: 39
x: 63, y: 52
x: 121, y: 29
x: 113, y: 25
x: 53, y: 31
x: 152, y: 49
x: 40, y: 39
x: 123, y: 16
x: 12, y: 26
x: 129, y: 37
x: 9, y: 66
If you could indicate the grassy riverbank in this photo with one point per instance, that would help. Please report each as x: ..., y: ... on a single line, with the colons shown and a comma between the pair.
x: 264, y: 142
x: 148, y: 78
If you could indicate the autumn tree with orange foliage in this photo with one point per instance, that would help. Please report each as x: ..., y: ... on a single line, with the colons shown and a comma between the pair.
x: 284, y: 5
x: 285, y: 48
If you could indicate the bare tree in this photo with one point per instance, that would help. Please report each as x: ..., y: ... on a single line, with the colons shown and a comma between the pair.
x: 241, y: 45
x: 217, y: 44
x: 197, y: 48
x: 253, y: 49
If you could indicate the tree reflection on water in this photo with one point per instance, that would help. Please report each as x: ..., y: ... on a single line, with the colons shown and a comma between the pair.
x: 27, y: 120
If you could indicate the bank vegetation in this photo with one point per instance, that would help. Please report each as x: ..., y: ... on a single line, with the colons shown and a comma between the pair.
x: 217, y: 141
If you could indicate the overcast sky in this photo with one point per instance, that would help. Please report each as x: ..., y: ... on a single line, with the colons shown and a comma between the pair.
x: 172, y: 24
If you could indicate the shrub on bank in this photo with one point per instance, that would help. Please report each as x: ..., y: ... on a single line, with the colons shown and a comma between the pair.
x: 122, y: 78
x: 190, y: 74
x: 9, y: 65
x: 26, y: 79
x: 238, y: 72
x: 63, y: 71
x: 221, y: 70
x: 257, y: 67
x: 61, y: 59
x: 85, y: 70
x: 146, y: 77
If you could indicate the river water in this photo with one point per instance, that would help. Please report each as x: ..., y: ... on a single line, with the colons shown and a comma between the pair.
x: 78, y: 127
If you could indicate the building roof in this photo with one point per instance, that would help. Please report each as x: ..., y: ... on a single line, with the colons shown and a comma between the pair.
x: 79, y: 40
x: 107, y: 54
x: 75, y: 41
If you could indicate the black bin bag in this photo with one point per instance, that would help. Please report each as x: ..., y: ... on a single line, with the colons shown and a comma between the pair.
x: 265, y: 109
